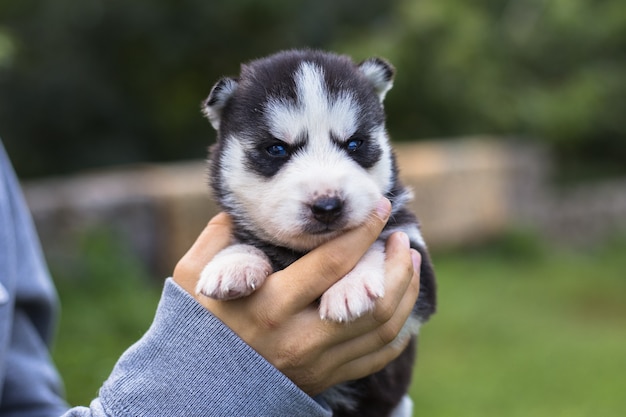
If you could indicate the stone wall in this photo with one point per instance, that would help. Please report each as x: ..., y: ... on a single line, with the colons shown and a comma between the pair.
x: 157, y: 210
x: 581, y: 215
x: 466, y: 191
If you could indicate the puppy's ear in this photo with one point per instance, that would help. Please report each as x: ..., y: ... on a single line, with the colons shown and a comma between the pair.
x: 221, y: 92
x: 380, y: 73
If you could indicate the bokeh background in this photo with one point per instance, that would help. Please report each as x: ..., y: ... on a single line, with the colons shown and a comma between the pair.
x: 530, y: 323
x: 95, y: 82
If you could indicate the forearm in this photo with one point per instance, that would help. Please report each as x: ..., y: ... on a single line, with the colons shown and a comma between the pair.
x: 189, y: 363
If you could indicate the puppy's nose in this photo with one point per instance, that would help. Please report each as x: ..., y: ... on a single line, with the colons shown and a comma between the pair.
x: 327, y: 209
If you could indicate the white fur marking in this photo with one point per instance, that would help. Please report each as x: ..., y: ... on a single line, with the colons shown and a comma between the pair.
x: 415, y: 235
x: 355, y: 294
x: 382, y: 172
x: 234, y: 272
x: 404, y: 409
x: 378, y: 77
x: 316, y: 115
x: 278, y: 208
x: 226, y: 87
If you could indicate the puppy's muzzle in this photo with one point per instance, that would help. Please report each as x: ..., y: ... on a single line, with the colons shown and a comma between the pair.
x: 327, y: 209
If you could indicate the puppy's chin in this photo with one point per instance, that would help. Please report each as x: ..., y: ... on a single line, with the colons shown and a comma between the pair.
x: 304, y: 241
x: 304, y: 235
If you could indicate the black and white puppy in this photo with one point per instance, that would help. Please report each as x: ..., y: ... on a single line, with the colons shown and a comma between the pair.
x: 302, y: 156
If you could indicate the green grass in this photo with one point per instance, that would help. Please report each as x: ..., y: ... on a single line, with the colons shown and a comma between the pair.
x: 529, y: 333
x: 107, y: 302
x: 522, y: 329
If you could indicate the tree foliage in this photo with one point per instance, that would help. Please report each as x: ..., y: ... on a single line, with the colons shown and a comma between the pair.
x: 93, y: 82
x: 551, y: 70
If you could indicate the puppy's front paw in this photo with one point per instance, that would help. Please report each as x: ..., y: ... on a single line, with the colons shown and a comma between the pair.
x: 349, y: 299
x: 234, y: 272
x: 355, y: 294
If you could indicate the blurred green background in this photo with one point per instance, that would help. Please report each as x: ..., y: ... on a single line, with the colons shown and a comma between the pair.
x: 523, y: 329
x: 87, y: 83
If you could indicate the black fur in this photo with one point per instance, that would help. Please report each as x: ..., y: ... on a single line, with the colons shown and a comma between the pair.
x: 381, y: 392
x: 242, y: 116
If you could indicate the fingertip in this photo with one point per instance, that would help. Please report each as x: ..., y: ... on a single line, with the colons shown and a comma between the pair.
x: 221, y: 218
x: 219, y: 227
x: 416, y: 258
x: 214, y: 237
x: 402, y: 239
x: 397, y: 247
x: 383, y: 208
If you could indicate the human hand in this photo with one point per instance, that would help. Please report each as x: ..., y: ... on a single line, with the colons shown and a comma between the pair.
x: 280, y: 319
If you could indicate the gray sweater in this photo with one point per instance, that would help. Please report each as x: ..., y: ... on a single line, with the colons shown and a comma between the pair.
x: 187, y: 364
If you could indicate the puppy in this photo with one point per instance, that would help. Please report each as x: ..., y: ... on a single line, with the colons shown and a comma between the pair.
x: 302, y: 156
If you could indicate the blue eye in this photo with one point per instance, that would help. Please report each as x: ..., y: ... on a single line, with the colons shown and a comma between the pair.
x: 277, y: 150
x: 353, y: 145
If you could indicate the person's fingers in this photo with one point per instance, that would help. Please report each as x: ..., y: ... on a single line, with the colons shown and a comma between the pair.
x: 215, y: 237
x: 407, y: 302
x: 400, y: 273
x: 307, y: 278
x: 360, y: 360
x: 357, y: 355
x: 371, y: 332
x: 388, y: 331
x: 399, y: 270
x: 339, y: 351
x: 401, y: 322
x: 368, y: 364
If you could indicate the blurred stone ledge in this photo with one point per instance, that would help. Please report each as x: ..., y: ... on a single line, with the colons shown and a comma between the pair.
x: 466, y: 191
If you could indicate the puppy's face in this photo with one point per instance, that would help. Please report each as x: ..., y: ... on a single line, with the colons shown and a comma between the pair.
x: 302, y: 151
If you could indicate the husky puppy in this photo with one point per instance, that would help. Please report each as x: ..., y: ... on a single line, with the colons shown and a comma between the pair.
x: 302, y: 156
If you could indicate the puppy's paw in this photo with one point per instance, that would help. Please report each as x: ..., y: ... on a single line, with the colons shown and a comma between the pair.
x: 355, y: 294
x: 234, y: 272
x: 349, y: 299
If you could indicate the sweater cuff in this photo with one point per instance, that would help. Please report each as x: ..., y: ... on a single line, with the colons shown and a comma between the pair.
x: 190, y: 363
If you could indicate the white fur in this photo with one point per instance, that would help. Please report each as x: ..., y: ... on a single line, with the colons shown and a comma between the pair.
x: 382, y: 171
x: 355, y: 294
x: 377, y: 76
x: 412, y: 232
x: 222, y: 91
x: 278, y: 209
x: 410, y: 328
x: 234, y: 272
x: 316, y: 115
x: 404, y: 409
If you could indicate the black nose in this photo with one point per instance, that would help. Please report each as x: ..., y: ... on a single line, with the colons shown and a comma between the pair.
x: 327, y: 209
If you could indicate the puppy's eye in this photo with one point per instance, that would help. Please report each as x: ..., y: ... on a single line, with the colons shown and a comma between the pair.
x: 353, y: 144
x: 277, y: 150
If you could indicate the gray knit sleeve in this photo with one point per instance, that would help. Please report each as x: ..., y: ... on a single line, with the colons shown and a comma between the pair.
x: 190, y: 364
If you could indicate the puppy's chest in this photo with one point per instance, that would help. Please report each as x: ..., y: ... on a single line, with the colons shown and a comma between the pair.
x: 279, y: 256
